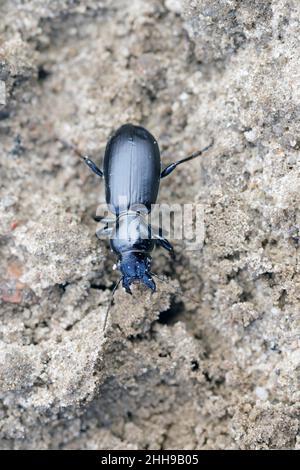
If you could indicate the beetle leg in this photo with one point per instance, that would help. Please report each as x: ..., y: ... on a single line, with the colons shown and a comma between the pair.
x: 158, y: 231
x: 111, y: 302
x: 166, y: 171
x: 164, y: 243
x: 104, y: 232
x: 104, y: 220
x: 93, y: 166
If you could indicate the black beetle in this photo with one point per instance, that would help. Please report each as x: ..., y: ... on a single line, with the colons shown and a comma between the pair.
x: 132, y: 174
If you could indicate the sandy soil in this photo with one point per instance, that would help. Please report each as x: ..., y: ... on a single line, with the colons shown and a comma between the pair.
x: 170, y: 374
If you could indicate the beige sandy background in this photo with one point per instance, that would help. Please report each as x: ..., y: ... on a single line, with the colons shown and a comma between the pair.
x: 221, y: 374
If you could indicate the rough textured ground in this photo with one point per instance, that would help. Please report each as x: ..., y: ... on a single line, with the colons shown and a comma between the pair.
x: 221, y: 374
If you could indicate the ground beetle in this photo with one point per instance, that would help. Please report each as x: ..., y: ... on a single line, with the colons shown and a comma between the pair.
x: 132, y: 174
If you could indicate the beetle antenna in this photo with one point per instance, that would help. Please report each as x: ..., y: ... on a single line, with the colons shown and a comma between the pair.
x: 197, y: 153
x: 111, y: 302
x: 75, y: 149
x: 85, y: 158
x: 71, y: 146
x: 177, y: 291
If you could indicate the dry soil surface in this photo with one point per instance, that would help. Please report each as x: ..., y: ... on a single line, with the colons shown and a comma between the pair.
x: 170, y: 373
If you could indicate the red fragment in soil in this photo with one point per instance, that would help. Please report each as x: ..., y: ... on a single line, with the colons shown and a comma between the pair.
x: 14, y: 224
x: 11, y: 291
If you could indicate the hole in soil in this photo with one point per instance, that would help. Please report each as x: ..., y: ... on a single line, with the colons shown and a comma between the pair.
x: 43, y: 73
x: 63, y: 286
x: 171, y: 316
x: 282, y: 299
x: 101, y: 287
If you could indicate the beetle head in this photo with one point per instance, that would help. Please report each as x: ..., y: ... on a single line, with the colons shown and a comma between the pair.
x: 136, y: 267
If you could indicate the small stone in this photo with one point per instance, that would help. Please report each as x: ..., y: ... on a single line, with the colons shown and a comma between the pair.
x: 261, y: 393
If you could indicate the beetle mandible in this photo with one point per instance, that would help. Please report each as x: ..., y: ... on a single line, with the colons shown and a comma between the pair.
x: 132, y: 174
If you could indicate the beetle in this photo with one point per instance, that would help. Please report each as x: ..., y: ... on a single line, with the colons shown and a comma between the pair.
x: 132, y: 173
